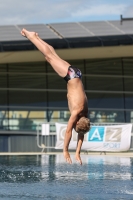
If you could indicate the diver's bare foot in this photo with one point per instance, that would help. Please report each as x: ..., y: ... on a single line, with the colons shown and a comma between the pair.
x: 28, y: 34
x: 37, y: 34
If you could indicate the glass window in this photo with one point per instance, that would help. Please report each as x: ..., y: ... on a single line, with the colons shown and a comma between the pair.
x: 80, y: 64
x: 28, y: 75
x: 3, y: 67
x: 38, y: 87
x: 26, y: 119
x: 128, y: 74
x: 130, y: 113
x: 3, y: 80
x: 105, y: 100
x: 129, y: 101
x: 3, y: 143
x: 128, y: 66
x: 57, y: 99
x: 104, y: 83
x: 3, y: 97
x: 3, y: 118
x: 33, y: 81
x: 36, y: 67
x: 128, y: 84
x: 27, y: 98
x: 104, y: 66
x: 128, y: 116
x: 106, y: 116
x: 56, y: 82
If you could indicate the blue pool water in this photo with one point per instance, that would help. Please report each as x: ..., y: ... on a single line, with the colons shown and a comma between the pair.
x: 49, y: 177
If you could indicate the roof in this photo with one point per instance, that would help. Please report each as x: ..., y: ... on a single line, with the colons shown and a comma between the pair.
x: 68, y: 35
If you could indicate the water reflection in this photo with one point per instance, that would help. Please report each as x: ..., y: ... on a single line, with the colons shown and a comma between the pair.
x: 52, y: 167
x: 117, y: 168
x: 49, y: 177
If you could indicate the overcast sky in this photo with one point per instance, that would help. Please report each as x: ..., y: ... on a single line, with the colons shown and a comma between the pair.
x: 14, y: 12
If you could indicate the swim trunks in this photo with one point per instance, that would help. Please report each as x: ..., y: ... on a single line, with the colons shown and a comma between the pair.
x: 73, y: 72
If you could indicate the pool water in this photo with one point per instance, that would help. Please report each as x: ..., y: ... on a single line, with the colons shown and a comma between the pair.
x: 48, y: 177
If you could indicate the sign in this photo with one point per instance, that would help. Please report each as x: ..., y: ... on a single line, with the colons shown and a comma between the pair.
x: 45, y: 129
x: 99, y: 138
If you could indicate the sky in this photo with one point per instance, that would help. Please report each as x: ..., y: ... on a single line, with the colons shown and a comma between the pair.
x: 16, y: 12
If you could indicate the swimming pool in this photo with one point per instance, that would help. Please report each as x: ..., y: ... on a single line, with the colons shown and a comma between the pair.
x: 49, y: 177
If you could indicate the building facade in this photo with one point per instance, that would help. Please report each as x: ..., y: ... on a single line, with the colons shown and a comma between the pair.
x: 32, y: 93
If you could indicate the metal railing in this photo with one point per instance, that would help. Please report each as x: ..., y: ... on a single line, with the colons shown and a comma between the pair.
x: 45, y: 139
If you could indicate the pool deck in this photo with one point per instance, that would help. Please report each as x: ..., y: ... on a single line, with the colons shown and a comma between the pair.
x: 114, y: 154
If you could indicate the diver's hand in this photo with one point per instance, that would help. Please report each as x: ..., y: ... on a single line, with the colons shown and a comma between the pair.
x: 78, y: 158
x: 67, y: 157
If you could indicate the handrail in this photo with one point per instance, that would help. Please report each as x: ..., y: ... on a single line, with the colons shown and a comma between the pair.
x: 42, y: 145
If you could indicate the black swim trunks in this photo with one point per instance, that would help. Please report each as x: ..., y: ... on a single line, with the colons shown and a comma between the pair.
x: 73, y: 72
